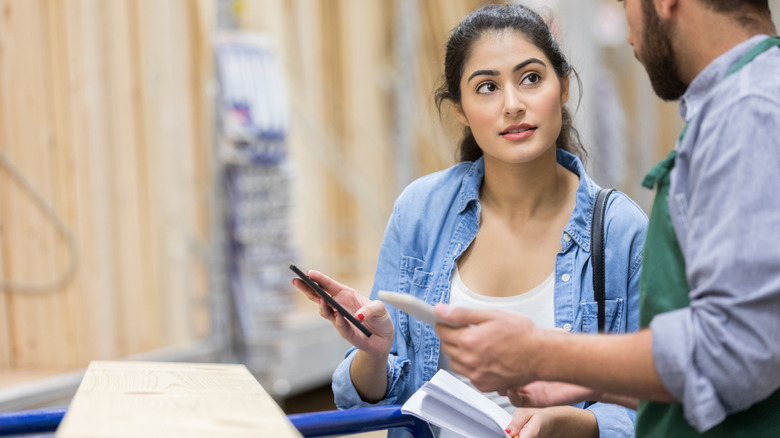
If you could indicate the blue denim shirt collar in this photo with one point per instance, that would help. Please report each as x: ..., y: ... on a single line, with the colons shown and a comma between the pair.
x: 579, y: 224
x: 702, y: 85
x: 469, y: 187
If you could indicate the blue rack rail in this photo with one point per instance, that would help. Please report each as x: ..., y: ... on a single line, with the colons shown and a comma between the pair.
x: 314, y: 424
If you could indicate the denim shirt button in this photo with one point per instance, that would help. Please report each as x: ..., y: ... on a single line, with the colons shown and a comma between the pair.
x: 565, y: 277
x: 567, y: 327
x: 566, y: 237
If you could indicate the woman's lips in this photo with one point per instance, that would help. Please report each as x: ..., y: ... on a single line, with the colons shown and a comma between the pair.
x: 514, y: 133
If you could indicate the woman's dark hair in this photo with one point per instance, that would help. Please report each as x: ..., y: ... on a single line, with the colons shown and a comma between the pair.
x: 497, y: 18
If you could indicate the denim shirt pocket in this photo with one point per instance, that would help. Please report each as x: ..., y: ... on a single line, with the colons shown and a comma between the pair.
x: 414, y: 281
x: 613, y: 311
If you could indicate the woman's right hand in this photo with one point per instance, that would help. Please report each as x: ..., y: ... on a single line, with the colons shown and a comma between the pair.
x: 373, y: 314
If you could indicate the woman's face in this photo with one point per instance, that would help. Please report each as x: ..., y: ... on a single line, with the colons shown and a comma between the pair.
x: 511, y: 98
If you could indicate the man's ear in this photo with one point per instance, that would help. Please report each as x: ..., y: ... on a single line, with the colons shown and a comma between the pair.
x: 460, y: 115
x: 664, y: 8
x: 564, y: 90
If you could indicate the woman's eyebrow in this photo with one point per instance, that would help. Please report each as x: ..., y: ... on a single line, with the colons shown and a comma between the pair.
x: 516, y: 68
x: 528, y: 61
x: 483, y: 72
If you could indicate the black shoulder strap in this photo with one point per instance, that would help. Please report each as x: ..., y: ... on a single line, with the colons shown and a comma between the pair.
x: 597, y: 252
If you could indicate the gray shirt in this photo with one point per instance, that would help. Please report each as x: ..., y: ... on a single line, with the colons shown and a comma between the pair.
x: 722, y: 354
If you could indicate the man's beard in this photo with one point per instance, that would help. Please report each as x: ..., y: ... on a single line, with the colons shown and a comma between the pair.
x: 658, y: 56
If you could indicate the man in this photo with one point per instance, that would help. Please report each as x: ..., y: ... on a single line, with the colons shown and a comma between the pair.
x: 708, y: 357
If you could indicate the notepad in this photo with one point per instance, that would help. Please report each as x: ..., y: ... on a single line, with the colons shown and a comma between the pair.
x: 449, y: 403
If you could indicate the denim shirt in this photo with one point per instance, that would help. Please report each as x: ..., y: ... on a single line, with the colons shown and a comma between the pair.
x: 436, y: 218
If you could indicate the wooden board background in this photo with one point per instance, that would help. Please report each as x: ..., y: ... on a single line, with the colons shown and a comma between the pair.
x: 104, y: 110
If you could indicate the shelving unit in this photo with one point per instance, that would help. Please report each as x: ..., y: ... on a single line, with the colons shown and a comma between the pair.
x: 270, y: 335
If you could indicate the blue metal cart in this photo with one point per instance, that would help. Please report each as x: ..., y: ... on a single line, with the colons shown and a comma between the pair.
x: 314, y: 424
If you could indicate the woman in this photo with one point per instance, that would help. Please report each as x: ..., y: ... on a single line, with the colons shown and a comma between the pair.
x: 507, y: 228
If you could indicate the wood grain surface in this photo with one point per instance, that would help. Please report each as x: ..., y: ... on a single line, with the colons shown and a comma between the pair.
x: 165, y: 399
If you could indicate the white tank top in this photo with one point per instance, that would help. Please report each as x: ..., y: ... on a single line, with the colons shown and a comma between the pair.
x: 536, y: 304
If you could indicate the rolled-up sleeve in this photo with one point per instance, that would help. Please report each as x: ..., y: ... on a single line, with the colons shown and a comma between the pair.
x: 722, y: 354
x: 345, y: 394
x: 614, y: 421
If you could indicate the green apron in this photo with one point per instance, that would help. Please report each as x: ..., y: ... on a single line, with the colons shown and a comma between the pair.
x: 663, y: 287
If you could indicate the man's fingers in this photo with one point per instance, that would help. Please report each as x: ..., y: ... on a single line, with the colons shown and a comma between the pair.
x: 462, y: 317
x: 518, y: 398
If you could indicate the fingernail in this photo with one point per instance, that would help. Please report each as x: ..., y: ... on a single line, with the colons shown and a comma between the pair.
x: 361, y: 317
x: 508, y: 431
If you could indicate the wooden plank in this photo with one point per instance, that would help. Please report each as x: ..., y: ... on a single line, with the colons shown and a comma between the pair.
x: 97, y: 107
x: 90, y: 334
x: 5, y: 187
x: 62, y: 342
x: 167, y: 167
x: 340, y: 211
x: 154, y: 169
x: 135, y: 321
x: 101, y: 293
x: 201, y: 26
x: 6, y: 357
x: 32, y: 239
x: 191, y: 264
x: 438, y: 136
x: 368, y: 108
x: 149, y: 110
x: 140, y: 399
x: 305, y: 66
x: 174, y: 162
x: 5, y: 327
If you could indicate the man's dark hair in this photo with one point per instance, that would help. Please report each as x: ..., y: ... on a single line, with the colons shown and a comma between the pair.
x: 761, y: 6
x: 748, y: 13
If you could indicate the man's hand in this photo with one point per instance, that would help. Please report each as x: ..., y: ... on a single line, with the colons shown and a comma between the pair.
x: 494, y: 349
x: 545, y: 394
